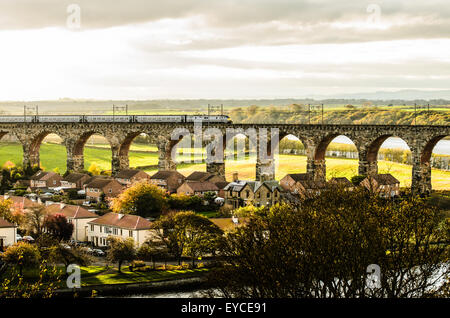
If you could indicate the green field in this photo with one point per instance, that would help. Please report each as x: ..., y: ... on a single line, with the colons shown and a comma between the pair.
x: 54, y: 156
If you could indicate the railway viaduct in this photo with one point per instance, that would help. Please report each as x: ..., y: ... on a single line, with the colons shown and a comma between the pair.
x: 315, y: 138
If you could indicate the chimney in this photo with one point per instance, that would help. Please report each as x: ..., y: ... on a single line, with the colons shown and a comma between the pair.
x: 235, y: 176
x: 120, y: 216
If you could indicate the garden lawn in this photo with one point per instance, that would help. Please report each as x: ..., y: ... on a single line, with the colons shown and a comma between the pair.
x: 95, y: 275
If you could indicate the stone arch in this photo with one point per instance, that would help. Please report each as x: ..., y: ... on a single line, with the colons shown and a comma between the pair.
x: 422, y: 167
x: 77, y: 150
x: 302, y: 152
x: 317, y: 164
x: 425, y: 155
x: 369, y: 162
x: 33, y: 148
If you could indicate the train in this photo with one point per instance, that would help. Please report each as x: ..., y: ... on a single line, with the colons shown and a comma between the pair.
x: 116, y: 119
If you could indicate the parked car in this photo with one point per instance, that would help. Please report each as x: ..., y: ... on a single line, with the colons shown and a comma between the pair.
x: 18, y: 237
x: 98, y: 252
x: 28, y: 239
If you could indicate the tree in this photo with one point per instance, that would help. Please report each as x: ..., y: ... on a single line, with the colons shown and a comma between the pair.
x: 142, y: 199
x: 58, y: 226
x: 35, y: 218
x: 73, y: 255
x: 323, y: 249
x: 94, y: 169
x: 21, y: 254
x: 187, y: 233
x: 356, y: 180
x: 151, y: 250
x: 121, y: 250
x: 5, y: 210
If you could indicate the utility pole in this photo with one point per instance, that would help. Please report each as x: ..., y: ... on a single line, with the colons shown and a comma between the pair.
x: 309, y: 114
x: 322, y: 114
x: 114, y: 107
x: 415, y: 114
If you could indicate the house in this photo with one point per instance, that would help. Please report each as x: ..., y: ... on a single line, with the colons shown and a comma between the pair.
x: 120, y: 225
x: 128, y: 177
x: 8, y: 232
x: 45, y: 179
x: 76, y: 215
x: 259, y: 193
x: 167, y: 179
x: 386, y: 185
x: 110, y: 187
x: 19, y: 203
x: 302, y: 185
x: 204, y: 176
x: 341, y: 182
x: 197, y: 188
x: 75, y: 180
x: 290, y: 181
x: 201, y: 176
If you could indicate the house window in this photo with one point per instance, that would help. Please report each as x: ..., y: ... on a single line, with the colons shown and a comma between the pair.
x: 130, y: 233
x: 101, y: 229
x: 92, y: 227
x: 54, y: 181
x: 247, y: 193
x: 115, y: 231
x: 121, y: 232
x: 268, y: 194
x: 110, y: 191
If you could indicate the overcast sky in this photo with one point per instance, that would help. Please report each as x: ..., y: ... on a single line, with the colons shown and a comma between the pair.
x: 146, y: 49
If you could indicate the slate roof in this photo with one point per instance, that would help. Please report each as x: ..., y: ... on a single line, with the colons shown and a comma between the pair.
x: 298, y: 176
x: 199, y: 176
x: 237, y: 186
x: 74, y: 177
x: 128, y: 221
x: 128, y: 173
x: 99, y: 183
x: 199, y: 186
x: 165, y: 174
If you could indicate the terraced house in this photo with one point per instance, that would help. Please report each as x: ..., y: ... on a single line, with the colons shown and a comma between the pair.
x: 259, y: 193
x: 168, y: 180
x: 120, y: 225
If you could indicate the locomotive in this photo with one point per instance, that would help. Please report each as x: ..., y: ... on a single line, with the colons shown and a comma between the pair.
x: 116, y: 119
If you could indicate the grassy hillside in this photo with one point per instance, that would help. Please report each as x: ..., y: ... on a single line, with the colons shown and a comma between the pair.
x: 53, y: 156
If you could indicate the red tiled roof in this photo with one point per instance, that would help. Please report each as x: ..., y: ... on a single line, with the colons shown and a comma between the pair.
x: 127, y: 221
x: 70, y: 211
x: 4, y: 223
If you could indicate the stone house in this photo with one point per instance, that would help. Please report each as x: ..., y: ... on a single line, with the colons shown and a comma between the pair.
x: 75, y: 214
x: 259, y: 193
x: 75, y: 180
x: 45, y: 179
x: 128, y: 177
x: 197, y: 188
x: 119, y: 225
x: 168, y: 180
x: 110, y: 187
x: 8, y: 233
x: 386, y: 185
